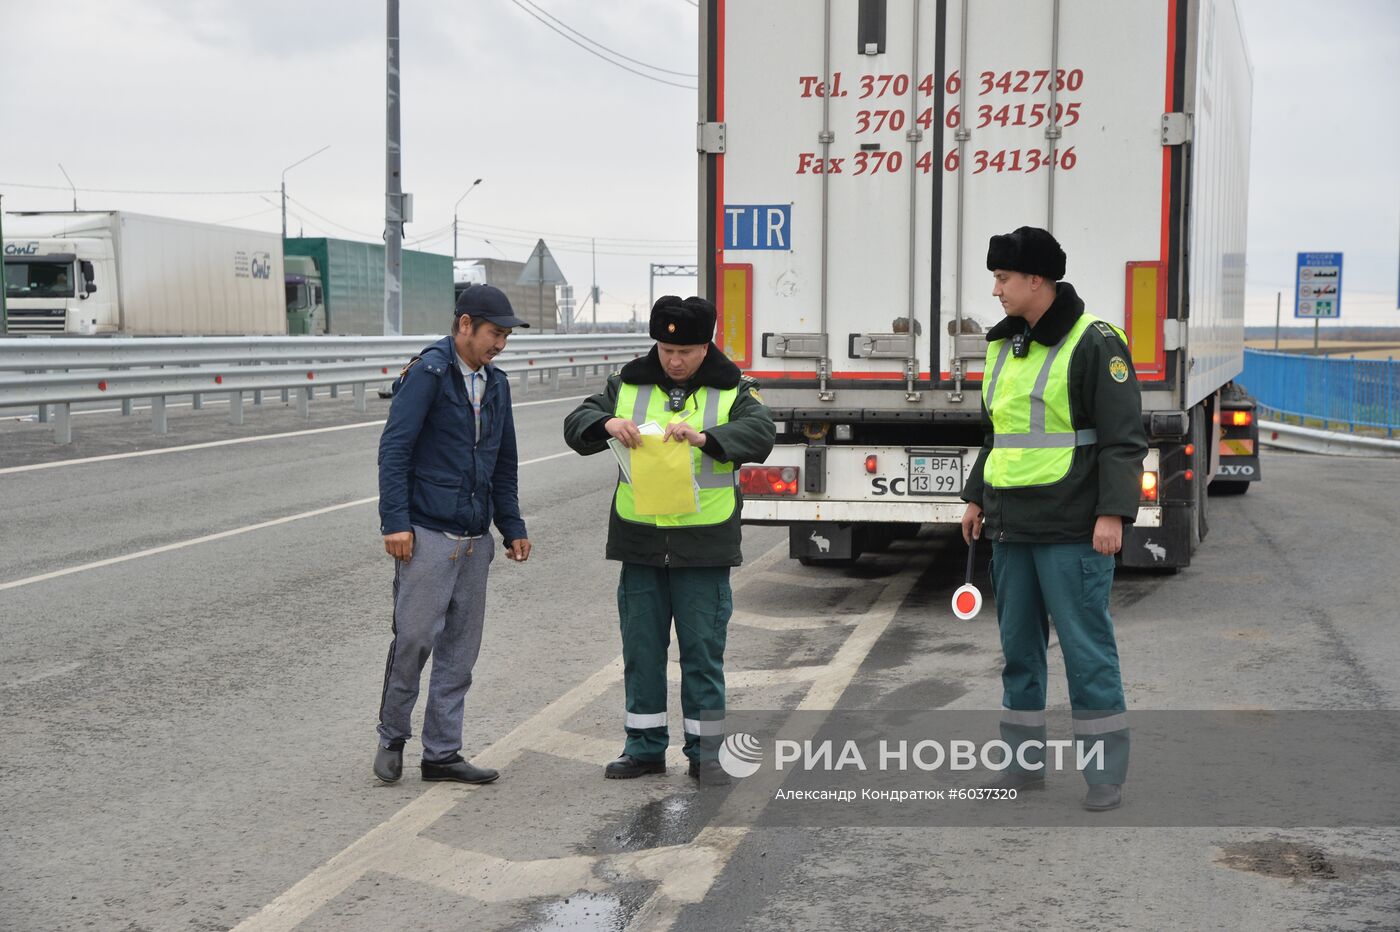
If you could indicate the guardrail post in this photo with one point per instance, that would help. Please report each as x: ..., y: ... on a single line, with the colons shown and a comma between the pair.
x: 126, y: 407
x: 335, y: 391
x: 159, y: 422
x: 63, y: 423
x: 554, y: 378
x: 43, y: 414
x: 286, y: 395
x: 304, y: 403
x: 235, y: 407
x: 525, y: 382
x: 257, y: 397
x: 197, y: 401
x: 360, y: 393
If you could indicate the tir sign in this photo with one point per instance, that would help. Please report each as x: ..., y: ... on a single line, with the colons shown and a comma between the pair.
x: 758, y: 226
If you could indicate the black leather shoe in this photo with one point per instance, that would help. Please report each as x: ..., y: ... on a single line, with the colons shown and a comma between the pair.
x: 388, y: 763
x: 458, y: 771
x: 1019, y: 780
x: 709, y: 772
x: 1103, y: 796
x: 627, y: 767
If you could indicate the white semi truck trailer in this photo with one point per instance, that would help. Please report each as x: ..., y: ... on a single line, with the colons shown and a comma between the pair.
x: 117, y: 272
x: 855, y: 158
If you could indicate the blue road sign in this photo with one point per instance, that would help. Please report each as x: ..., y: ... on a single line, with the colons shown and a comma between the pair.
x: 1318, y: 289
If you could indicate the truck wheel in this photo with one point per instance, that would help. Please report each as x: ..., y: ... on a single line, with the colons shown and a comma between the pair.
x: 1229, y: 487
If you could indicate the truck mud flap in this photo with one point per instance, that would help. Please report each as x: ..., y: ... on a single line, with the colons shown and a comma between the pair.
x: 819, y: 541
x: 1165, y: 547
x: 1239, y: 469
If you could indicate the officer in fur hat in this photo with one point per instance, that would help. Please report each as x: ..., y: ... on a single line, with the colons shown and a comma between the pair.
x: 1057, y: 479
x: 676, y: 567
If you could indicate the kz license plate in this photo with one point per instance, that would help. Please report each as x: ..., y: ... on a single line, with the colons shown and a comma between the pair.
x: 935, y: 473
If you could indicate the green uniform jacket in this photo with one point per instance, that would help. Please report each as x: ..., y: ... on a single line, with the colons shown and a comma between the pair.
x: 747, y: 438
x: 1105, y: 478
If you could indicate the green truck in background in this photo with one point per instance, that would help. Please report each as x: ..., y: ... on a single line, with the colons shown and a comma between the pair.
x: 336, y: 286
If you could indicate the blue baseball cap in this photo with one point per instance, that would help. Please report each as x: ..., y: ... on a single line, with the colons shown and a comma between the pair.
x: 489, y: 303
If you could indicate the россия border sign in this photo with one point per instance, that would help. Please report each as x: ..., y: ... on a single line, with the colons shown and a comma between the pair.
x: 1318, y: 287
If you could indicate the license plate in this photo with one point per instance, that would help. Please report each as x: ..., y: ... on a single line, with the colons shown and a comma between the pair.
x: 935, y: 473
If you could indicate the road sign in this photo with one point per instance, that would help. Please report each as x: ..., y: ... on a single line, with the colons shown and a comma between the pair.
x: 1318, y: 288
x: 540, y: 268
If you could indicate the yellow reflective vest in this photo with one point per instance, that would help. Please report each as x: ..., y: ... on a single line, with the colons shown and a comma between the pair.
x: 1028, y: 400
x: 715, y: 481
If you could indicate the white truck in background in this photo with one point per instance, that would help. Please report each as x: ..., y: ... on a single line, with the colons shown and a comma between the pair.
x: 117, y: 272
x: 855, y: 158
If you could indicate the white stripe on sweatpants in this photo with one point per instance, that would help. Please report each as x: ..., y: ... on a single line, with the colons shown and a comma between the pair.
x: 1101, y: 726
x: 704, y: 729
x: 652, y: 720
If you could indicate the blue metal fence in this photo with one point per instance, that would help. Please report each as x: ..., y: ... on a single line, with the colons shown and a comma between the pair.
x: 1351, y: 392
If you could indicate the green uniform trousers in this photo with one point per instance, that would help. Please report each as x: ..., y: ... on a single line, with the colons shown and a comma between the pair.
x: 1068, y: 584
x: 700, y: 601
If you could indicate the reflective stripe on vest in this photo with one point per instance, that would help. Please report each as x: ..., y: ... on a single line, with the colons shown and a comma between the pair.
x: 1028, y: 401
x: 716, y: 481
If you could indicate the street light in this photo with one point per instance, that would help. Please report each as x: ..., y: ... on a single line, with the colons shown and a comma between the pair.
x: 454, y: 217
x: 71, y: 185
x: 284, y: 185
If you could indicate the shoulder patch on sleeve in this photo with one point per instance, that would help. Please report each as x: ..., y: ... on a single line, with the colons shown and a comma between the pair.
x: 1118, y: 369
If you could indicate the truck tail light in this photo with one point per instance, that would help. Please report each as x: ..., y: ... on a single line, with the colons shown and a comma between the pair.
x: 768, y: 480
x: 1241, y: 418
x: 872, y: 464
x: 1149, y: 486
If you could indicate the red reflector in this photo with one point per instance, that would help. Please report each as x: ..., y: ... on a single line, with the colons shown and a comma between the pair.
x: 384, y: 369
x: 102, y: 386
x: 311, y: 375
x: 768, y: 480
x: 966, y: 602
x: 1190, y: 449
x: 872, y: 463
x: 218, y: 380
x: 1190, y: 475
x: 1241, y: 418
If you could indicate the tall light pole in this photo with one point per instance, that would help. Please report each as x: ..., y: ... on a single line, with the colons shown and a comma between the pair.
x: 454, y: 217
x: 284, y: 185
x: 71, y: 185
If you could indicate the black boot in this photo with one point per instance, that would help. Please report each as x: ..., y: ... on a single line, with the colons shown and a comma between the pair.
x: 628, y: 767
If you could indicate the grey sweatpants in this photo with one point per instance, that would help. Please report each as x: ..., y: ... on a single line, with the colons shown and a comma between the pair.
x: 439, y: 607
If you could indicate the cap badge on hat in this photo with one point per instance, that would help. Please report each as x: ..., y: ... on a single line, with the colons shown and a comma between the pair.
x: 670, y: 328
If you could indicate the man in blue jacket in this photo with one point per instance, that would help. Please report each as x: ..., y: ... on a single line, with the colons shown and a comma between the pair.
x: 447, y: 465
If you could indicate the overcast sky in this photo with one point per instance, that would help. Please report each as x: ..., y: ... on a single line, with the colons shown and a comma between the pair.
x: 222, y: 95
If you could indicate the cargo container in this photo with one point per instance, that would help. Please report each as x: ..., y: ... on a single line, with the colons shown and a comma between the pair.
x: 855, y: 159
x: 108, y: 272
x: 352, y: 285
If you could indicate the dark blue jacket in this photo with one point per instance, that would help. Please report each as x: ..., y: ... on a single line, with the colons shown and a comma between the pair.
x: 432, y: 471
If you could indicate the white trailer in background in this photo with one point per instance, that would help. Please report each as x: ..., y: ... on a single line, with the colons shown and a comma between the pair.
x: 108, y: 272
x: 856, y: 157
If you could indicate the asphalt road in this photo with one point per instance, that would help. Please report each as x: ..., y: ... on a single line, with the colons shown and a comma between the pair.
x: 192, y: 650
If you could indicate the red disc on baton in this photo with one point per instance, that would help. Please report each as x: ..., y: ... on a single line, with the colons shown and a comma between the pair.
x: 967, y: 602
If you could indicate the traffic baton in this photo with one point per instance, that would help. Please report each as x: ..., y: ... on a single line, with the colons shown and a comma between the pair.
x: 967, y: 599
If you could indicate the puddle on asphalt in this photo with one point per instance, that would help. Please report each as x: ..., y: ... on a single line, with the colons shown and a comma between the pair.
x: 672, y: 820
x: 604, y: 912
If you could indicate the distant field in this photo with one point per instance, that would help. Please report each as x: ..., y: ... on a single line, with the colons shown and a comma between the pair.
x: 1332, y: 348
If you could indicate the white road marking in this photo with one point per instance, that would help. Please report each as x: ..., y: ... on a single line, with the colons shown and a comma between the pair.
x: 221, y: 535
x: 685, y: 872
x: 235, y: 440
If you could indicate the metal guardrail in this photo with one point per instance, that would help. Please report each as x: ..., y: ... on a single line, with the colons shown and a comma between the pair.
x: 56, y: 374
x: 1335, y: 443
x: 1348, y: 393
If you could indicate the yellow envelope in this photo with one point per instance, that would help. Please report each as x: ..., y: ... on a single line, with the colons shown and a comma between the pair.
x: 662, y: 480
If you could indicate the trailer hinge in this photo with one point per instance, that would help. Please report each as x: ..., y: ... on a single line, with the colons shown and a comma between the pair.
x: 709, y: 137
x: 1176, y: 128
